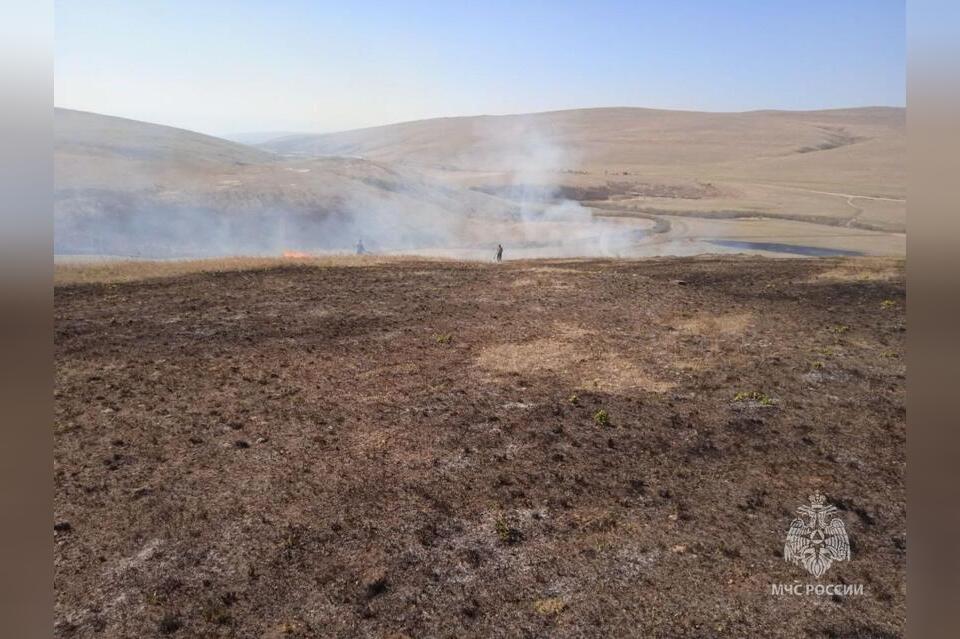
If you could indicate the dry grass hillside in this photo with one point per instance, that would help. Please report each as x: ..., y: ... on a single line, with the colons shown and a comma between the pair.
x: 844, y: 166
x: 132, y: 188
x: 653, y: 183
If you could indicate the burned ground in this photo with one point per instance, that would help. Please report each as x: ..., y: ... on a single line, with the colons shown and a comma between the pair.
x: 430, y: 449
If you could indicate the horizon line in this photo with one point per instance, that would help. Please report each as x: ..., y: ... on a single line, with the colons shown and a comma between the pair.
x: 481, y: 115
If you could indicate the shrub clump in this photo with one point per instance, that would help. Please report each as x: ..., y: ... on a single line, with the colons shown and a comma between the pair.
x: 754, y: 396
x: 601, y: 418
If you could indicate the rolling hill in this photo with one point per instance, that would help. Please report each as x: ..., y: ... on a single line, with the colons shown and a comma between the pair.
x: 131, y: 188
x: 838, y: 166
x: 656, y: 182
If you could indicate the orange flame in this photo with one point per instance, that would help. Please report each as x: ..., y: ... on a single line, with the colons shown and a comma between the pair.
x: 295, y: 254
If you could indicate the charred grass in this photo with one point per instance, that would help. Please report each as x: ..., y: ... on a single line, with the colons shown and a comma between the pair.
x: 568, y: 460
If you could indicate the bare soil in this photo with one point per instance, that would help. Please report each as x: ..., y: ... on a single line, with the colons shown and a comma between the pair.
x: 444, y: 449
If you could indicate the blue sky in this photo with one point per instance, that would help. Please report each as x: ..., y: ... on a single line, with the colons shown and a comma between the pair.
x: 290, y: 65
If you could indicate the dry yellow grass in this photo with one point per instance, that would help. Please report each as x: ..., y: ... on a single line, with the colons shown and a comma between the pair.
x: 729, y: 324
x: 860, y: 270
x: 117, y: 271
x: 846, y: 164
x: 565, y: 355
x: 556, y: 270
x: 691, y: 365
x: 537, y: 355
x: 550, y: 606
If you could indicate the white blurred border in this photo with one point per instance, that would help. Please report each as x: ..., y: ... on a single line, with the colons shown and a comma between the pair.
x: 933, y: 270
x: 26, y: 182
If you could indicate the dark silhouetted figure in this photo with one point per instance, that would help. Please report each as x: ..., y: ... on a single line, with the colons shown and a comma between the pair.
x: 360, y: 248
x: 499, y: 253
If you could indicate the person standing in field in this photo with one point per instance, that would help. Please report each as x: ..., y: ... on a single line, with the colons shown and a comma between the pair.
x: 360, y: 248
x: 499, y: 253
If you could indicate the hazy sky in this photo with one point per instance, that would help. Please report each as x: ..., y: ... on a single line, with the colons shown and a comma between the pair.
x: 290, y: 65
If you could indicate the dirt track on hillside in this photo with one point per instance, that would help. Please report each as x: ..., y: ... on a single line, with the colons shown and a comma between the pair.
x: 418, y: 449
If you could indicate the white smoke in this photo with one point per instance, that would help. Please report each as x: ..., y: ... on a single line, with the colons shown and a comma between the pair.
x: 534, y: 161
x: 514, y: 198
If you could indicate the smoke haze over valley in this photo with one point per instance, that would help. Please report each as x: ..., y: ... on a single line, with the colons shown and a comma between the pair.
x: 593, y: 182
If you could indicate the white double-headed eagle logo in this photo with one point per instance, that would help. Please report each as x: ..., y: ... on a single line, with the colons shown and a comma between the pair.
x: 815, y: 540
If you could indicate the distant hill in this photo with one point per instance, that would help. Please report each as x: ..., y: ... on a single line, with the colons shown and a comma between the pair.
x: 609, y: 137
x: 258, y: 137
x: 132, y: 188
x: 789, y: 163
x: 93, y: 135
